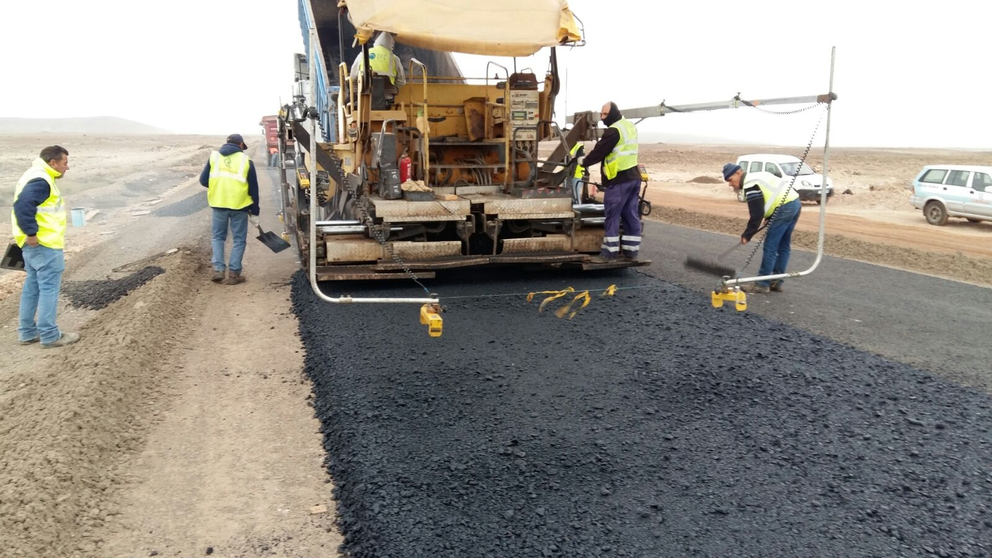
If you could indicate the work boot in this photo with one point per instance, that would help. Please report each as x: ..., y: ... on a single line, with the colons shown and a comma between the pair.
x: 601, y: 260
x: 777, y: 286
x: 234, y: 278
x: 755, y: 288
x: 218, y: 276
x: 66, y: 339
x: 28, y: 341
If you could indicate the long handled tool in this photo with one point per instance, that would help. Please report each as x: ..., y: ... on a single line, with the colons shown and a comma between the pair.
x: 716, y: 267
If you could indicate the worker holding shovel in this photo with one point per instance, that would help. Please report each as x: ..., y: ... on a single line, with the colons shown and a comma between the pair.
x: 772, y: 198
x: 232, y: 193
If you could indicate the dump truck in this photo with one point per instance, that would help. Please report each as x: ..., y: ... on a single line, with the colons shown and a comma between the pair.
x: 277, y: 154
x: 443, y: 171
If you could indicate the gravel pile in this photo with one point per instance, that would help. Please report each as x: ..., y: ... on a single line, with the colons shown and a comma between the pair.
x: 649, y: 425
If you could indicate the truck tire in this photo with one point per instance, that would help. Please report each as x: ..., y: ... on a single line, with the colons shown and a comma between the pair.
x: 935, y: 213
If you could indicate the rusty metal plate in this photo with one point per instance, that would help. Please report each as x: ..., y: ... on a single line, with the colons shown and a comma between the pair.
x: 550, y: 243
x: 587, y: 240
x: 352, y: 249
x: 440, y: 263
x: 403, y: 211
x: 413, y: 251
x: 509, y: 207
x: 355, y: 273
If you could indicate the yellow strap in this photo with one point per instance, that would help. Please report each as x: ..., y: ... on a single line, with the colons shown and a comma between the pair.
x: 583, y: 296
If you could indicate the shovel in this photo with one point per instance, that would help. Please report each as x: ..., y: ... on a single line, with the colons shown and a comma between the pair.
x: 12, y: 258
x: 272, y: 241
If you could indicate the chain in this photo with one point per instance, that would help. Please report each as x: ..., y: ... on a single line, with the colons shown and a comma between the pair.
x: 795, y: 176
x: 766, y: 111
x: 377, y: 233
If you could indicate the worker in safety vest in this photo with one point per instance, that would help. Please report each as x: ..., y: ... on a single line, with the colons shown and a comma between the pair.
x: 382, y: 61
x: 232, y: 193
x: 768, y: 197
x: 617, y: 151
x: 38, y: 219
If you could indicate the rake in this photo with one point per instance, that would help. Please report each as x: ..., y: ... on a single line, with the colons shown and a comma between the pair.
x: 716, y: 267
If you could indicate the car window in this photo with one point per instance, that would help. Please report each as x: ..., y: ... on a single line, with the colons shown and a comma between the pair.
x: 981, y: 182
x: 773, y: 168
x: 743, y: 165
x: 755, y: 167
x: 790, y: 169
x: 958, y: 178
x: 934, y: 176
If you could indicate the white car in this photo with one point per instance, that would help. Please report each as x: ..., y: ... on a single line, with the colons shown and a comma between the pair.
x: 807, y: 184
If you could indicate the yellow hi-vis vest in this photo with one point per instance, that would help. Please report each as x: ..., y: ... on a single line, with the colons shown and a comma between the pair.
x: 51, y: 214
x: 624, y: 155
x: 578, y: 168
x: 773, y: 188
x: 228, y: 184
x: 381, y: 61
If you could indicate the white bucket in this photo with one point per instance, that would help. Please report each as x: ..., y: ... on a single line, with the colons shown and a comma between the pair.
x: 78, y: 216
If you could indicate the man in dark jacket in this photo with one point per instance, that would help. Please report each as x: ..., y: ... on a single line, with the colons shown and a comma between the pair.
x: 232, y: 192
x: 38, y: 219
x: 617, y: 151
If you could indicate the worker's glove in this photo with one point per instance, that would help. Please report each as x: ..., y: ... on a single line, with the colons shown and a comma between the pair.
x: 253, y: 219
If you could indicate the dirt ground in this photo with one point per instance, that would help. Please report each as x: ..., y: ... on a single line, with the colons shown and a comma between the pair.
x: 180, y: 424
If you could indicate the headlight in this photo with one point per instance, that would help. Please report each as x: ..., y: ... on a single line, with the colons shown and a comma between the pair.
x: 807, y: 184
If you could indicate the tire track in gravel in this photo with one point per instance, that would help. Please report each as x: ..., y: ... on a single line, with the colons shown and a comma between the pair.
x: 650, y: 425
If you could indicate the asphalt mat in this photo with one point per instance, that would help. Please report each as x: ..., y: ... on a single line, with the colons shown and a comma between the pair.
x: 98, y: 294
x: 650, y: 424
x: 184, y: 207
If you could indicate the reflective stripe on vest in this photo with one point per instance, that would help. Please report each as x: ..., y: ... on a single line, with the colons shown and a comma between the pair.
x: 578, y: 168
x: 772, y: 188
x: 228, y: 184
x: 50, y: 214
x: 381, y: 61
x: 624, y: 155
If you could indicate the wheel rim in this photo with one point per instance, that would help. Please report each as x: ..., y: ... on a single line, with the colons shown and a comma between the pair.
x: 934, y: 213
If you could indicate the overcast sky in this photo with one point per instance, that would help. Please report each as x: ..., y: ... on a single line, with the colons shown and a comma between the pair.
x: 916, y: 75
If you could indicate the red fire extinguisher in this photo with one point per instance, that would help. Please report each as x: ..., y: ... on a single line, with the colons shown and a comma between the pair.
x: 405, y: 167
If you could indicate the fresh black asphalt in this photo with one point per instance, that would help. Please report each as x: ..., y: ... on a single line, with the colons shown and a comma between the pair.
x: 651, y: 424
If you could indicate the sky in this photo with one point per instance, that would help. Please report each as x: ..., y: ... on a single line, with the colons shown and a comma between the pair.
x: 913, y: 76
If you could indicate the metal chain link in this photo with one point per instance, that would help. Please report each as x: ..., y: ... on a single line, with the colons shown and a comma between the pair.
x: 771, y: 219
x: 797, y: 111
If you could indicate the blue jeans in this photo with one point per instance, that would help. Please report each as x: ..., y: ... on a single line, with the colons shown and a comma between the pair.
x: 239, y: 233
x: 40, y: 295
x: 778, y: 241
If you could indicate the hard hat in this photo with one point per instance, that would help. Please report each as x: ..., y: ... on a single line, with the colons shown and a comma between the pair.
x: 385, y: 40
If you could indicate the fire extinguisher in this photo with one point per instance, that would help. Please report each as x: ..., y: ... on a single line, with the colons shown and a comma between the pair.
x: 405, y: 167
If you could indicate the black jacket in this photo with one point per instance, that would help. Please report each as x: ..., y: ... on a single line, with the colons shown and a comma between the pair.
x: 605, y: 146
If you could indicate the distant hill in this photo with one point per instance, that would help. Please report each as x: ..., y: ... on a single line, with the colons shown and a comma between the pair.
x: 88, y: 125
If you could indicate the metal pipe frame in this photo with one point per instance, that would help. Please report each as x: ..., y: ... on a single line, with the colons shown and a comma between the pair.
x: 312, y: 248
x: 823, y: 203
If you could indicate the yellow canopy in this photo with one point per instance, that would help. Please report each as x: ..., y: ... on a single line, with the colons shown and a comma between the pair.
x: 495, y: 28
